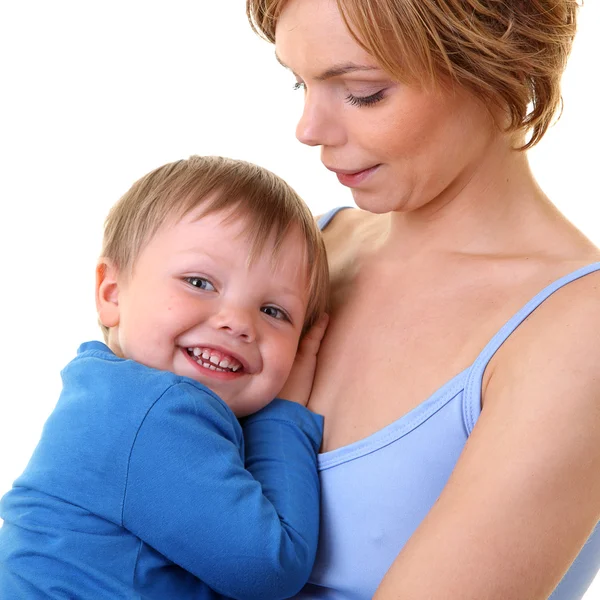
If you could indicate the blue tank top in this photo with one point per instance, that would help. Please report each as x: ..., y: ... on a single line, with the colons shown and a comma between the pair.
x: 375, y: 492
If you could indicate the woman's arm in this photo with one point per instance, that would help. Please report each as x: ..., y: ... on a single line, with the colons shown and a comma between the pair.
x: 525, y: 494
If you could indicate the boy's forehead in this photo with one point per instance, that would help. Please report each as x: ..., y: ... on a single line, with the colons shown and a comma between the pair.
x: 248, y: 228
x: 215, y: 232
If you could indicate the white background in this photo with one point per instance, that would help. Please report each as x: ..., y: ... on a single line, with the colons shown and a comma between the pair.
x: 95, y: 94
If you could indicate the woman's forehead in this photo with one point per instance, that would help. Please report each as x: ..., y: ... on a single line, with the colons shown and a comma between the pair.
x: 312, y: 33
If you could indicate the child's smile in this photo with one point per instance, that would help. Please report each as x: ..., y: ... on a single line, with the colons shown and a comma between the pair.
x: 217, y: 363
x: 215, y: 360
x: 195, y: 305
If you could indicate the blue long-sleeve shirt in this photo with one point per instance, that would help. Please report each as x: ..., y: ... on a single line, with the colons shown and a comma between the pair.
x: 144, y: 485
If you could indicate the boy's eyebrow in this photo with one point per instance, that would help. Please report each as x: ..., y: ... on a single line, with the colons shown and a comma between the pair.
x: 291, y: 292
x: 336, y: 70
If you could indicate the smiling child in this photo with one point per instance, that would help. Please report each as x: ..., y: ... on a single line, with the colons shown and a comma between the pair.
x: 211, y: 291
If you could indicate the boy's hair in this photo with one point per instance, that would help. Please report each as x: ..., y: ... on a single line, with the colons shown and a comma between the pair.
x: 269, y: 207
x: 511, y: 53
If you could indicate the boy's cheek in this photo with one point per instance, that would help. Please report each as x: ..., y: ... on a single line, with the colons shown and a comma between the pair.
x: 285, y: 366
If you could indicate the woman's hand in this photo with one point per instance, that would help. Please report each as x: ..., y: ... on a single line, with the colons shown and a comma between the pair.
x: 299, y: 383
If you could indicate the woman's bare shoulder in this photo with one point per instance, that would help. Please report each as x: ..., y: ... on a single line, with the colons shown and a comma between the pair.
x: 554, y: 337
x: 562, y: 333
x: 567, y: 319
x: 530, y: 472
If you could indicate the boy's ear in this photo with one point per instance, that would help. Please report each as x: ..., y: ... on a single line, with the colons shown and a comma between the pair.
x: 107, y: 292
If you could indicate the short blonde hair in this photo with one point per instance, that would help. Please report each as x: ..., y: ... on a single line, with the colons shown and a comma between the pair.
x: 511, y: 53
x: 270, y: 208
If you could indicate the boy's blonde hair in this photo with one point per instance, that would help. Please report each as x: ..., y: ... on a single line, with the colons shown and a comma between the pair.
x: 511, y: 53
x: 269, y: 207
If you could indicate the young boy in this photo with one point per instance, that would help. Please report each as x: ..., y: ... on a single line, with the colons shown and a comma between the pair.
x: 144, y: 484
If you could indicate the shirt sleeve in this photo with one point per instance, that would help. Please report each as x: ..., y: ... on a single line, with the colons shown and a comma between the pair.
x: 190, y: 496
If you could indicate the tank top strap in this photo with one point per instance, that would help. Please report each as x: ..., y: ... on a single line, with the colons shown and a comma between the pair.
x: 472, y: 393
x: 326, y: 218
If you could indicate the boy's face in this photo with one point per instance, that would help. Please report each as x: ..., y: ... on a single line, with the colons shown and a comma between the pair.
x: 193, y: 306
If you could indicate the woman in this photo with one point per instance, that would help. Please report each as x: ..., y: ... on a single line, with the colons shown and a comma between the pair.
x: 460, y: 374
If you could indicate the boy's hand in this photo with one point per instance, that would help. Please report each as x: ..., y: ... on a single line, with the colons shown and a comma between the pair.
x: 299, y: 382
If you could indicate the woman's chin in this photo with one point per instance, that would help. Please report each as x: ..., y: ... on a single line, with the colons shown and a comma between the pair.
x: 378, y: 201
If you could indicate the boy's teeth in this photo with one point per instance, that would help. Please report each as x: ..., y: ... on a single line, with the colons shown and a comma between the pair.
x: 213, y: 361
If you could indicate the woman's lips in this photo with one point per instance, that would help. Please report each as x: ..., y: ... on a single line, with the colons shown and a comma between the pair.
x: 354, y: 178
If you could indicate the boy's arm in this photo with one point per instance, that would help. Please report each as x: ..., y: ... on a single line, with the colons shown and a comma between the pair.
x: 190, y: 497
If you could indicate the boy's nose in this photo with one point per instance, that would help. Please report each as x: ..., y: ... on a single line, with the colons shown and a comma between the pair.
x: 236, y: 322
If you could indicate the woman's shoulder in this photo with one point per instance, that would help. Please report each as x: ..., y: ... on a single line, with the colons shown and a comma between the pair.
x: 572, y: 313
x: 529, y: 474
x: 559, y: 339
x: 573, y: 293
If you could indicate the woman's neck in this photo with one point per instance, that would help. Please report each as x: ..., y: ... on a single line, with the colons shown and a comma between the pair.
x: 493, y: 207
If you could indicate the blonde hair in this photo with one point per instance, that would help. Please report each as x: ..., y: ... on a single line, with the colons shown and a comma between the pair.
x: 268, y: 206
x: 511, y: 53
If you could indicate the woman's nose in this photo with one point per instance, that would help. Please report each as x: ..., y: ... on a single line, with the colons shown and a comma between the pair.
x: 318, y: 125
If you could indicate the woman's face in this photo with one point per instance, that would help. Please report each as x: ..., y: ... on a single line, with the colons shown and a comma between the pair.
x: 395, y: 145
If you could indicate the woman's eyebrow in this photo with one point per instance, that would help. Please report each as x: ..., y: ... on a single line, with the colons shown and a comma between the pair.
x: 336, y: 70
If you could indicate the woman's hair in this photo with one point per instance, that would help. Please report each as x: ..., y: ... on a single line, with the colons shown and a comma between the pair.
x: 269, y: 208
x: 511, y: 53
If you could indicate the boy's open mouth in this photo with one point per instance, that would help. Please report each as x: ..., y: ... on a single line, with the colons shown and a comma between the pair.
x: 215, y: 360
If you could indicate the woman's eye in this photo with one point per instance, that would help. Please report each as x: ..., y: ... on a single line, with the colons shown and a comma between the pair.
x: 201, y: 283
x: 365, y: 100
x: 275, y: 313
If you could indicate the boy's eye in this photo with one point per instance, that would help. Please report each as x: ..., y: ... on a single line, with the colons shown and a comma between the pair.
x: 201, y: 283
x: 275, y: 313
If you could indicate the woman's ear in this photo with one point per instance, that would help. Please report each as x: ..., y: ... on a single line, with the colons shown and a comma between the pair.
x: 107, y: 292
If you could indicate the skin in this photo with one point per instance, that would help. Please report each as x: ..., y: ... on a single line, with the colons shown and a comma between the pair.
x: 455, y: 238
x: 183, y: 294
